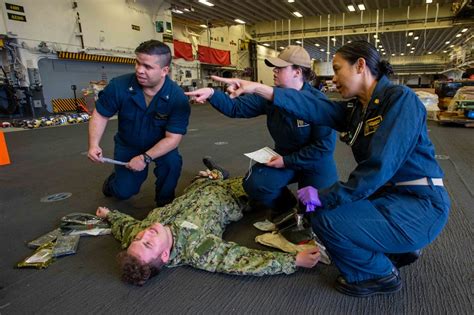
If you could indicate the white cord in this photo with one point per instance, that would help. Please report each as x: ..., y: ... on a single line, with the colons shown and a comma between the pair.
x: 250, y: 170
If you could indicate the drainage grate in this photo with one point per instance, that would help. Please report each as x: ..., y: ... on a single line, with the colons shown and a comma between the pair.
x: 56, y: 197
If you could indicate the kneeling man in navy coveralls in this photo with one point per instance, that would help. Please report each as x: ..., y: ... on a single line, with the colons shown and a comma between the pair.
x: 153, y: 115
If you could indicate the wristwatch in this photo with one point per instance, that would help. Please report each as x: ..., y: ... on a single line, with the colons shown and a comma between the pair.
x: 147, y: 158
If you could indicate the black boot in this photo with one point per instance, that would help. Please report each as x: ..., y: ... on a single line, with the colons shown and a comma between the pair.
x: 106, y: 186
x: 404, y: 259
x: 283, y: 204
x: 384, y: 285
x: 211, y: 165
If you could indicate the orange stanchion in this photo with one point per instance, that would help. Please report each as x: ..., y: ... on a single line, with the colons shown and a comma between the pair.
x: 4, y: 157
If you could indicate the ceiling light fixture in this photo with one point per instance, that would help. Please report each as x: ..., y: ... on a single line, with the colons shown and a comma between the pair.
x: 203, y: 25
x: 393, y: 55
x: 298, y: 42
x: 429, y: 52
x: 239, y: 21
x: 297, y: 14
x: 383, y: 53
x: 361, y: 7
x: 266, y: 45
x: 458, y: 35
x: 291, y: 1
x: 429, y: 1
x: 451, y: 46
x: 410, y: 33
x: 322, y: 49
x: 317, y: 45
x: 416, y: 37
x: 447, y: 42
x: 408, y: 45
x: 445, y: 51
x: 333, y: 39
x: 402, y: 54
x: 281, y: 47
x: 411, y: 52
x: 351, y: 8
x: 174, y: 10
x: 205, y: 2
x: 464, y: 30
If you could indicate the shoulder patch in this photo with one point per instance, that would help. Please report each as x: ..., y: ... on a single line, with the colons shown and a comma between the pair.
x: 205, y: 246
x: 371, y: 125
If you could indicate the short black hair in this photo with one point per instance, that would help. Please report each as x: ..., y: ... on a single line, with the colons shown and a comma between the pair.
x: 136, y: 272
x: 157, y: 48
x: 363, y: 49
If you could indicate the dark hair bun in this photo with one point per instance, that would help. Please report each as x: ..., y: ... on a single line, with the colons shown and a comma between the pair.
x: 385, y: 68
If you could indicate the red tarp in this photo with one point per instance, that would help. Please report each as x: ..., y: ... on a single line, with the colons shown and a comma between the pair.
x: 213, y: 56
x: 183, y: 50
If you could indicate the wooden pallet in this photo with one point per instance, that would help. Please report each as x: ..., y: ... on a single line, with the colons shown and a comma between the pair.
x: 446, y: 118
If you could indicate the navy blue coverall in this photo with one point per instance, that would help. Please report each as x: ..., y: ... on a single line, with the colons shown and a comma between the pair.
x: 307, y: 150
x: 140, y: 127
x: 375, y: 212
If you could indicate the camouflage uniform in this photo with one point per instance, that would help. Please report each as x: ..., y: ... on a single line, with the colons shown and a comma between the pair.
x: 197, y: 220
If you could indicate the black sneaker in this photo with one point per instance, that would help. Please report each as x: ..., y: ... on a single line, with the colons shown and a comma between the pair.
x: 106, y: 188
x: 404, y: 259
x: 384, y: 285
x: 211, y: 165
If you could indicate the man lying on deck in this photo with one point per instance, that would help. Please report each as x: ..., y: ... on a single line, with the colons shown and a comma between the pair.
x: 189, y: 231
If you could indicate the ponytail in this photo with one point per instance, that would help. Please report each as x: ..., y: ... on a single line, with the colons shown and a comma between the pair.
x: 385, y: 68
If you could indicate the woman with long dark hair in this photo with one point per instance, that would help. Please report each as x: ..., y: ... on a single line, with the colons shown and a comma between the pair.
x: 394, y: 202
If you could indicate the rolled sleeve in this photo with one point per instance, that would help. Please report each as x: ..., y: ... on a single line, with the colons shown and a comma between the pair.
x: 107, y: 104
x: 179, y: 120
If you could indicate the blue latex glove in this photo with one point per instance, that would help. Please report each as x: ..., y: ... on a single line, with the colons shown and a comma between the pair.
x: 309, y: 196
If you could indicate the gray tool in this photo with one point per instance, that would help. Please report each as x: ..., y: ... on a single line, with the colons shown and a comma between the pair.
x: 111, y: 161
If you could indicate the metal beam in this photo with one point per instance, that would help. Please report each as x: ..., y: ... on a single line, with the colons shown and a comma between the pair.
x: 351, y: 30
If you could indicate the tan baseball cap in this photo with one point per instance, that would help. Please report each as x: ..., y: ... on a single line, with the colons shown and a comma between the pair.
x: 291, y: 55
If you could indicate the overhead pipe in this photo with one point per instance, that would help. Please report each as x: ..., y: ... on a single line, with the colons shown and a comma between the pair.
x: 275, y: 36
x: 328, y: 52
x: 343, y: 22
x: 302, y: 30
x: 426, y: 20
x: 289, y: 32
x: 377, y: 28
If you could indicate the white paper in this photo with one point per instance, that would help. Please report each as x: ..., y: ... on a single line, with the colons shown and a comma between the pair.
x: 92, y: 232
x: 107, y: 160
x: 263, y: 155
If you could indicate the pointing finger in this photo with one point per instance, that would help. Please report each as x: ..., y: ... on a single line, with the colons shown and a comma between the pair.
x: 221, y: 79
